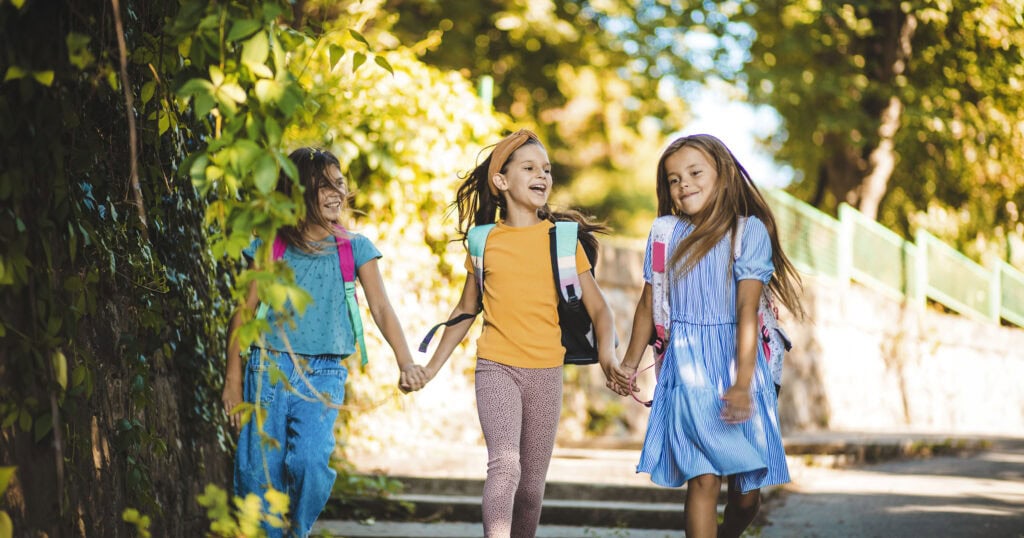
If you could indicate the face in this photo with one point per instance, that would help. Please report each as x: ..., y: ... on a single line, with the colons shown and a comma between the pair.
x: 332, y: 196
x: 692, y: 179
x: 526, y: 181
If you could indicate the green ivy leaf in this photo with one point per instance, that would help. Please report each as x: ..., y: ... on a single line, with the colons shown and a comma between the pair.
x: 359, y: 37
x: 243, y: 29
x: 43, y: 426
x: 60, y: 368
x: 14, y: 73
x: 5, y: 478
x: 357, y: 60
x: 78, y: 50
x: 381, y: 61
x: 6, y: 527
x: 266, y: 173
x: 255, y: 53
x: 148, y: 89
x: 334, y: 54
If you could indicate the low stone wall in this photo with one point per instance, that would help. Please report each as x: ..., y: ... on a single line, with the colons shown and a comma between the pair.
x: 862, y: 361
x: 865, y: 361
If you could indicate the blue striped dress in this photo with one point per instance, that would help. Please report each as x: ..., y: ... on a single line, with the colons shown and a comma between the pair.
x: 686, y: 436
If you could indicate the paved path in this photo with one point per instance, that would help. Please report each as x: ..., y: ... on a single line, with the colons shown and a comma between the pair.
x: 977, y: 495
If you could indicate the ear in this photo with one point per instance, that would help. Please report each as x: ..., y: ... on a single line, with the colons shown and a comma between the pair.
x: 500, y: 181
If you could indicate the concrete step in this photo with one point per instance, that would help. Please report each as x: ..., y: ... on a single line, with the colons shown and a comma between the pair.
x: 554, y: 490
x: 565, y: 503
x: 384, y: 529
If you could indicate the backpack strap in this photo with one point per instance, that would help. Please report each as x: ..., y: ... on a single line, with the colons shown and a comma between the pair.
x: 564, y: 238
x: 476, y: 239
x: 661, y: 237
x: 347, y: 264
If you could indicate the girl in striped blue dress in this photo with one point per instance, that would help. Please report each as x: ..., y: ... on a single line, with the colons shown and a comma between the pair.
x: 714, y: 414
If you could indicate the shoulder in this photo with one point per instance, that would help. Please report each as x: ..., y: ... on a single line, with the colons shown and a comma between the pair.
x: 755, y: 229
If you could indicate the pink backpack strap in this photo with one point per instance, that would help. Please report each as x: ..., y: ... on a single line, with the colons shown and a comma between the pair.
x: 348, y: 274
x: 278, y: 248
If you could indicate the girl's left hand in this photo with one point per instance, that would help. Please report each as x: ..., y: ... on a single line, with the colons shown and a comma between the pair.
x: 737, y: 407
x: 413, y: 377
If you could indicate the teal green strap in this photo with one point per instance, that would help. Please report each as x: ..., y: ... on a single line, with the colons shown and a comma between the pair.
x: 357, y: 321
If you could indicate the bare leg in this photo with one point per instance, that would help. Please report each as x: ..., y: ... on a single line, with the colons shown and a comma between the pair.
x: 740, y: 510
x: 702, y: 506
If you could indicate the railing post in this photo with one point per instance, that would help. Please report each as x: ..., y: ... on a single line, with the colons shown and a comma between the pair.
x: 920, y: 292
x: 995, y: 306
x: 485, y: 90
x: 844, y: 263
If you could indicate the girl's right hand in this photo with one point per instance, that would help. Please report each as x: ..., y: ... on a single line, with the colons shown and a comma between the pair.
x: 413, y: 377
x: 624, y: 376
x: 231, y: 397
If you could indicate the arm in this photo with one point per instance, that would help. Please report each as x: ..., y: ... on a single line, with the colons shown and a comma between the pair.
x: 604, y: 329
x: 453, y: 335
x: 412, y: 376
x: 639, y: 336
x: 232, y: 394
x: 737, y: 398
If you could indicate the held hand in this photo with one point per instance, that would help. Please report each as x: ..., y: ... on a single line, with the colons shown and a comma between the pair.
x: 231, y: 397
x: 613, y: 377
x: 413, y: 378
x: 624, y: 376
x: 737, y: 406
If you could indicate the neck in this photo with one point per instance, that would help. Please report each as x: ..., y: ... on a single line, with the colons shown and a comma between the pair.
x: 315, y: 232
x: 521, y: 217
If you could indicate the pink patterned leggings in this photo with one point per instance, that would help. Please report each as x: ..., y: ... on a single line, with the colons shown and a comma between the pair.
x: 519, y: 410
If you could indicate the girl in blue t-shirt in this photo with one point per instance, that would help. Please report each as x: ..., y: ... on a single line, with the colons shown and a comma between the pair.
x: 714, y: 413
x: 308, y: 350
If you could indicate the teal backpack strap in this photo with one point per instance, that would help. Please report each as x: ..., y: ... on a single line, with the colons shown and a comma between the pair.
x: 348, y: 274
x: 277, y: 252
x: 476, y: 238
x: 566, y: 238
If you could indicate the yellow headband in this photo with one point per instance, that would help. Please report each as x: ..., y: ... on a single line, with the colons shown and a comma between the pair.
x: 502, y: 151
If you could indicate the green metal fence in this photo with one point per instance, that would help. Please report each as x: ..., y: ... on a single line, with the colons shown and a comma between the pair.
x: 858, y: 248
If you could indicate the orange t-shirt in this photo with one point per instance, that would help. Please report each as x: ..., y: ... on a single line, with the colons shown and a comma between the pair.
x: 520, y: 298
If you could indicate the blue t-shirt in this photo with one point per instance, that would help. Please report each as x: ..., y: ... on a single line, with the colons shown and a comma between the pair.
x: 324, y: 327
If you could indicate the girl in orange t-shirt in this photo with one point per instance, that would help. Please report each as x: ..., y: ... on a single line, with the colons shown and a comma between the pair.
x: 519, y: 352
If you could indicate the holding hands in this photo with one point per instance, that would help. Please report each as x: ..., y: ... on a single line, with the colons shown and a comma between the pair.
x: 617, y: 377
x: 413, y: 377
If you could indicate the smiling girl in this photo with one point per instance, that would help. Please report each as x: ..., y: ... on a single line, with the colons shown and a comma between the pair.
x: 714, y: 413
x: 520, y: 353
x: 287, y: 445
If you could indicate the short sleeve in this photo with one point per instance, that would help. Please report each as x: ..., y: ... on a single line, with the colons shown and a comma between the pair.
x: 250, y: 251
x: 755, y: 261
x: 648, y: 266
x: 582, y: 263
x: 363, y: 250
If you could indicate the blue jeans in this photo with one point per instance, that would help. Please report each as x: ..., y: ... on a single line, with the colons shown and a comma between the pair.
x: 304, y: 430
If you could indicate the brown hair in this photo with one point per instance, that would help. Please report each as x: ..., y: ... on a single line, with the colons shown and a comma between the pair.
x: 312, y: 165
x: 477, y: 205
x: 734, y: 195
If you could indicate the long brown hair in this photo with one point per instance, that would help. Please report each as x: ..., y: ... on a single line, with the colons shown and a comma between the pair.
x: 734, y: 195
x: 476, y: 205
x: 312, y: 165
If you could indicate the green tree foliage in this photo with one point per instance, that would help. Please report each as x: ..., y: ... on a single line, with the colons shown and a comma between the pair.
x: 131, y: 175
x: 601, y: 100
x: 910, y: 111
